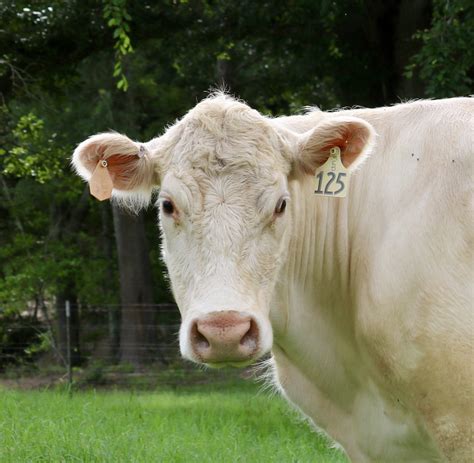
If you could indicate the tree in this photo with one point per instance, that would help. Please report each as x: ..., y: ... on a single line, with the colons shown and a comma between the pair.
x: 278, y: 56
x: 445, y: 61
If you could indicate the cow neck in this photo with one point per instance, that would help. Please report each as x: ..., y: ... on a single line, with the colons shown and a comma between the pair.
x: 317, y: 267
x: 319, y: 250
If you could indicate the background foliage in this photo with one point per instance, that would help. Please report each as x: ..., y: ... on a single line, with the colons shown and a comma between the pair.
x: 71, y: 68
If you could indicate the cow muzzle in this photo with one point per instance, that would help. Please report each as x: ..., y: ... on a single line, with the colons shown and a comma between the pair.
x: 225, y: 338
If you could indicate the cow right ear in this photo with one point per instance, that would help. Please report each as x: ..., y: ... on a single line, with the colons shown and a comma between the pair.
x: 115, y: 165
x: 355, y: 138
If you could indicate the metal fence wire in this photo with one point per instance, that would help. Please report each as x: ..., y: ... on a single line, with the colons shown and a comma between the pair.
x: 133, y: 345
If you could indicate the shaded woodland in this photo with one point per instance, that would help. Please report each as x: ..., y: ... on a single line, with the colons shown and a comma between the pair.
x: 72, y: 68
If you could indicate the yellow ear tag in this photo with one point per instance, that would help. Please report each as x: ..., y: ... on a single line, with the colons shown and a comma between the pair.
x: 101, y: 184
x: 332, y: 178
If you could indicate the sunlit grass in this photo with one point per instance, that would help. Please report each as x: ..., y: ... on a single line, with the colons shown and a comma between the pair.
x: 194, y: 426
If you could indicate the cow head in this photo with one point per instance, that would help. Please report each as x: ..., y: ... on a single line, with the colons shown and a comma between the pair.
x: 225, y: 212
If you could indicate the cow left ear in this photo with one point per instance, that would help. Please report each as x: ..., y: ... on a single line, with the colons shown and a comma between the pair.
x: 355, y: 137
x: 116, y: 166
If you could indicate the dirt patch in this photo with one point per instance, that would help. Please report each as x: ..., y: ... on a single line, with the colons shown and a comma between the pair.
x: 32, y: 382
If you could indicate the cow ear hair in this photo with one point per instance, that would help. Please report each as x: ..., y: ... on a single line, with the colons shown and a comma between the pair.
x: 355, y: 137
x: 128, y: 166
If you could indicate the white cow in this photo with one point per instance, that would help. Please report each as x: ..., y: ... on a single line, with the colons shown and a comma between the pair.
x: 365, y: 301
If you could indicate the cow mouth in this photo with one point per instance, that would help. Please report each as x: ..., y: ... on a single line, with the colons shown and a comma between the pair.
x: 233, y: 364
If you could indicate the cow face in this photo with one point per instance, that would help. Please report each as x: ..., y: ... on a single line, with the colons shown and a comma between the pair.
x: 225, y: 214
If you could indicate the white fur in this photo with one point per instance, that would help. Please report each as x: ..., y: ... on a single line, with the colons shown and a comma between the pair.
x: 366, y: 301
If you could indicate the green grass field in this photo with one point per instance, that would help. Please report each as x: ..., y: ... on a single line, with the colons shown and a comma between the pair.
x: 235, y: 425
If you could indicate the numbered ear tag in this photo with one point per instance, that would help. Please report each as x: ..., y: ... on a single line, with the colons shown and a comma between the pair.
x: 101, y: 184
x: 332, y: 178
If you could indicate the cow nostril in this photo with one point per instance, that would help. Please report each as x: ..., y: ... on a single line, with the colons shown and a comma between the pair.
x: 199, y: 340
x: 250, y: 338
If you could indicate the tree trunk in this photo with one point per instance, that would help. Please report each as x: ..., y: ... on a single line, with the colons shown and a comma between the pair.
x: 113, y: 312
x: 138, y: 331
x: 413, y: 15
x: 224, y: 74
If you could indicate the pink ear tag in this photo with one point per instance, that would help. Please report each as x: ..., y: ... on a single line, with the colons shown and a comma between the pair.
x: 101, y: 184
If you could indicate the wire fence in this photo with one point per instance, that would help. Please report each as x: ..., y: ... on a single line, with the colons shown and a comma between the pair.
x: 133, y: 345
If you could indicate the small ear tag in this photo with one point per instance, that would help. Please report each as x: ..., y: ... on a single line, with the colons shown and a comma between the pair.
x: 332, y: 178
x: 101, y: 184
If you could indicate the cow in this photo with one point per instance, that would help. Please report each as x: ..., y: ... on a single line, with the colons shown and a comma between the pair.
x: 364, y: 301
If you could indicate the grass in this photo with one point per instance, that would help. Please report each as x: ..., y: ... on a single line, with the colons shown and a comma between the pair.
x: 235, y: 425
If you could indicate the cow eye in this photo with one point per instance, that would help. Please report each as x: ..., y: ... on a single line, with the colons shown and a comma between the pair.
x: 281, y: 206
x: 168, y: 207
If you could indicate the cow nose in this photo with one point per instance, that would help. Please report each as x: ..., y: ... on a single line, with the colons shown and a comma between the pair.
x: 227, y: 336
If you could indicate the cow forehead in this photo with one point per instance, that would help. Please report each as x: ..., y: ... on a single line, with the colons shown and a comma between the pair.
x: 223, y: 136
x: 240, y: 190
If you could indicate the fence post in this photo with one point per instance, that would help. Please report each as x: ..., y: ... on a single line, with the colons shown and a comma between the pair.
x: 68, y: 345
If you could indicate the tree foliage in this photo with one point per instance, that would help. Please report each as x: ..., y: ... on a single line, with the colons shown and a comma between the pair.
x: 118, y: 19
x: 445, y: 61
x: 71, y: 68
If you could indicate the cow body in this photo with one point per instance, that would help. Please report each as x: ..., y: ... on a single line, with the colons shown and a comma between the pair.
x: 369, y: 297
x: 373, y: 331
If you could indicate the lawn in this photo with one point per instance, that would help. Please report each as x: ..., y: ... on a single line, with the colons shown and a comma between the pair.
x: 200, y: 425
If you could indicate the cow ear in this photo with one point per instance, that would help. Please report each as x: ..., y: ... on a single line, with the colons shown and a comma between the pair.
x: 111, y: 161
x: 355, y: 137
